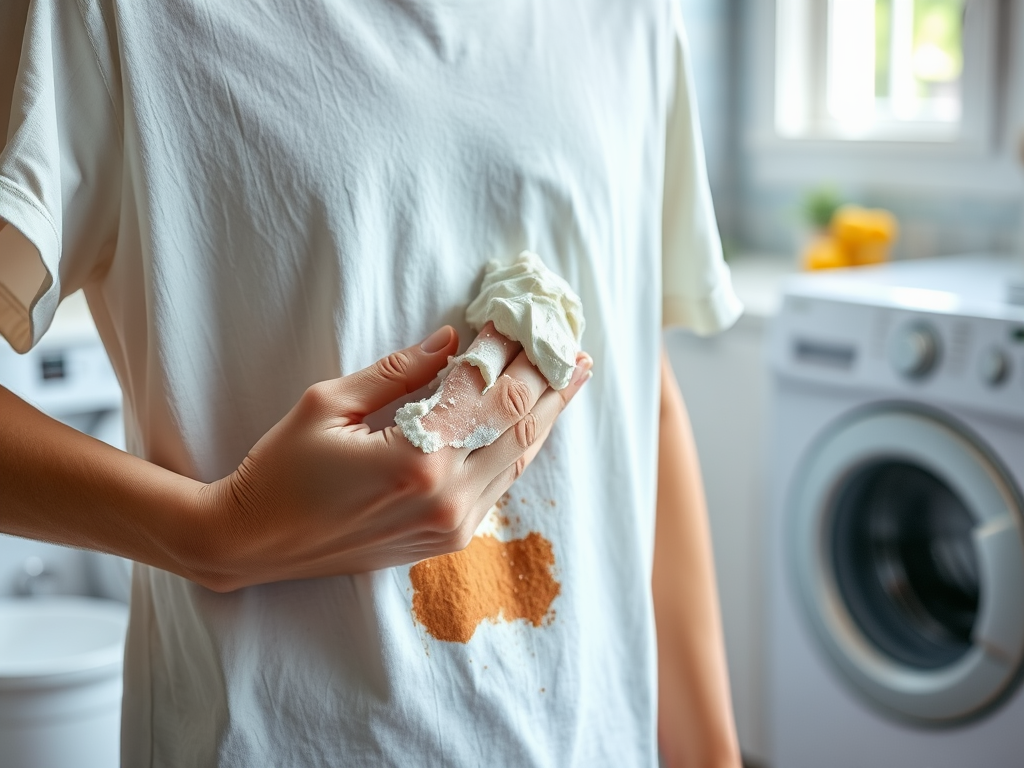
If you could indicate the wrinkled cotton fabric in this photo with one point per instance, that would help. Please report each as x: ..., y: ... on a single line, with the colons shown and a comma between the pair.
x: 256, y: 196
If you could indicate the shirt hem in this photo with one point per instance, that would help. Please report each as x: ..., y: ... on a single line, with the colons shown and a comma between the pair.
x: 706, y: 315
x: 23, y: 326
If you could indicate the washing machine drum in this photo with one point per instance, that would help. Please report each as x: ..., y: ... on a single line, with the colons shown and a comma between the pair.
x: 909, y: 558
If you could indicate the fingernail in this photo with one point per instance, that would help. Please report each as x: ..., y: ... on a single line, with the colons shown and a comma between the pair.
x: 582, y: 372
x: 437, y: 341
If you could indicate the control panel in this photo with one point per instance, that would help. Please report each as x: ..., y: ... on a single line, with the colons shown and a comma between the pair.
x: 894, y: 352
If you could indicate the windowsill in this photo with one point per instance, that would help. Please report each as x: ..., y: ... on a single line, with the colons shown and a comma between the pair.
x: 876, y: 144
x: 927, y: 166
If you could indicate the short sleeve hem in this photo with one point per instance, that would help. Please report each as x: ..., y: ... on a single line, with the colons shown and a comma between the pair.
x: 705, y: 315
x: 22, y: 325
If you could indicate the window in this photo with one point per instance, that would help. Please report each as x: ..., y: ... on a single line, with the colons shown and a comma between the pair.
x: 886, y: 70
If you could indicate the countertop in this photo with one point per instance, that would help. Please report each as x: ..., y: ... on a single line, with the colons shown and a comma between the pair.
x: 757, y: 279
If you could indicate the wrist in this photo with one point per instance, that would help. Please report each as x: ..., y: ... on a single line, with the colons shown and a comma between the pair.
x: 193, y: 534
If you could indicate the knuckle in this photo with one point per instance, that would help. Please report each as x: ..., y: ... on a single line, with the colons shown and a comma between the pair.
x: 316, y: 398
x: 525, y: 431
x: 513, y: 398
x: 446, y: 517
x: 394, y: 367
x: 518, y: 468
x: 460, y: 540
x: 565, y: 395
x: 422, y: 476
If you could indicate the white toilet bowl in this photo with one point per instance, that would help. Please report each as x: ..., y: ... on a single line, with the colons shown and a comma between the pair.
x: 60, y: 682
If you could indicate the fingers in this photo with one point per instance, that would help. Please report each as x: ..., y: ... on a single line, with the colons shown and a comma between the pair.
x: 500, y: 484
x: 514, y: 393
x: 489, y: 335
x: 394, y: 376
x: 506, y: 458
x: 489, y: 354
x: 486, y: 473
x: 468, y: 419
x: 465, y: 408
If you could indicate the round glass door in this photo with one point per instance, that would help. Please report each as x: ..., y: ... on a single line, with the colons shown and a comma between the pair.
x: 905, y: 563
x: 909, y: 558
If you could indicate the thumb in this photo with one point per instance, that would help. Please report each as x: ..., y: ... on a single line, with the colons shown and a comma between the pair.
x: 396, y: 375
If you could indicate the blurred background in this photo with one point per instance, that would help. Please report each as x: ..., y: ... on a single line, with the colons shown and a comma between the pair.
x: 909, y: 109
x: 910, y: 105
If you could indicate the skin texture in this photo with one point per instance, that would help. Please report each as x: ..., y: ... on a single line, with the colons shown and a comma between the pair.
x: 320, y: 494
x: 695, y: 722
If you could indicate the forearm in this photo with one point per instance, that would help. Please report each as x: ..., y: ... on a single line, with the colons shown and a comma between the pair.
x: 59, y: 485
x: 695, y: 722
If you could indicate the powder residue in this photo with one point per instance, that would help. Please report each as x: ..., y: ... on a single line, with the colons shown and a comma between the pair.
x: 487, y: 354
x: 527, y: 303
x: 483, y: 434
x: 410, y: 418
x: 461, y: 428
x: 489, y: 580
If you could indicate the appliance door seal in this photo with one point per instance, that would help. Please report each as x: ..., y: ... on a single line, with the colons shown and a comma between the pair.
x: 907, y: 545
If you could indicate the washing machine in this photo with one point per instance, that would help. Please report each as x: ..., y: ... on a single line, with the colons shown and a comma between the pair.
x: 895, y: 536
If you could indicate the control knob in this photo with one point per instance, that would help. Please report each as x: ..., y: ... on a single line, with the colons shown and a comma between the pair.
x: 914, y: 351
x: 994, y: 366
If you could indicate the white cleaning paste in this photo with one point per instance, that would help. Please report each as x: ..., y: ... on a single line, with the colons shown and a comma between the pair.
x: 410, y: 418
x: 528, y: 303
x: 486, y: 353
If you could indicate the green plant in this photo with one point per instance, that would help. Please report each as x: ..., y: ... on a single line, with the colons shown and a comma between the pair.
x: 818, y: 206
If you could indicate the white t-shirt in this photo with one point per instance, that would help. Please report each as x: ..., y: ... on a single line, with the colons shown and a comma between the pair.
x: 257, y: 196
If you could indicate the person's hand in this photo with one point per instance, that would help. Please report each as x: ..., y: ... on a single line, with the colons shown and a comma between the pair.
x: 321, y: 494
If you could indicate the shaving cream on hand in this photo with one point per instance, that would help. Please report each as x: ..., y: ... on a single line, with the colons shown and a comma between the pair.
x: 527, y: 303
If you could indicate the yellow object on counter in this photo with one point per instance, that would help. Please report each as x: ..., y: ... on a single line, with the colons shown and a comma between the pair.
x: 825, y: 253
x: 865, y: 234
x: 856, y: 237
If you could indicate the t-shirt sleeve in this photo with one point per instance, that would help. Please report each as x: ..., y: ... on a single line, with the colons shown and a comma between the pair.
x: 60, y: 169
x: 697, y: 288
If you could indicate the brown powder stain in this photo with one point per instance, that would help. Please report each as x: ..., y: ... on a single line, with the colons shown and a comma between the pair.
x: 490, y: 579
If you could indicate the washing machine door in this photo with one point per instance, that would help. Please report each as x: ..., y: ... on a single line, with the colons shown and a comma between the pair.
x: 907, y: 543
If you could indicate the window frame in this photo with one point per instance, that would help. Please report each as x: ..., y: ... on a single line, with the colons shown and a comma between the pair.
x: 981, y: 159
x: 801, y: 86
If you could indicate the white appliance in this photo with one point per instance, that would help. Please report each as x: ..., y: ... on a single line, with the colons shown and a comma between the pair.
x: 895, y: 536
x: 60, y: 682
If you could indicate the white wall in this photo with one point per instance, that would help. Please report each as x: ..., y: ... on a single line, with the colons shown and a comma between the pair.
x: 724, y: 383
x: 711, y: 27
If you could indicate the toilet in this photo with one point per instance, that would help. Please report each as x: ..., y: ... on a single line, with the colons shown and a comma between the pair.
x: 60, y: 682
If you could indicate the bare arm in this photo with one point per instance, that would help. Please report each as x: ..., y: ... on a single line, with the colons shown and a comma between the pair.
x: 318, y: 495
x: 695, y: 722
x: 59, y: 485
